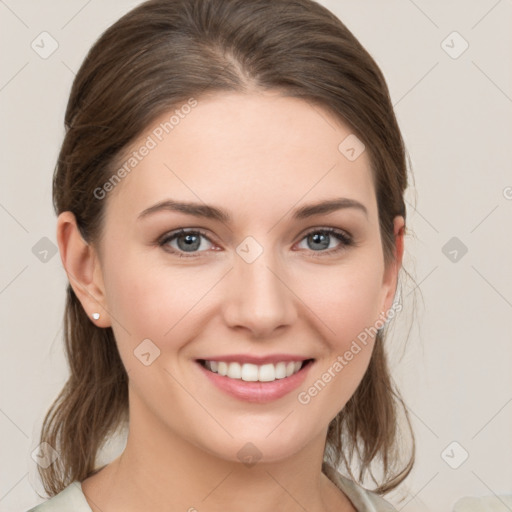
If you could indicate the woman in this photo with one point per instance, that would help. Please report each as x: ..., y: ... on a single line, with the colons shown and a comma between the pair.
x: 231, y: 220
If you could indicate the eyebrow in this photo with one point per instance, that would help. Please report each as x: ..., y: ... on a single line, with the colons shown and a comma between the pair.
x: 213, y: 212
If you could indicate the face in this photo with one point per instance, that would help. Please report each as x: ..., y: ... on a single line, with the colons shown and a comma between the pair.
x: 253, y: 279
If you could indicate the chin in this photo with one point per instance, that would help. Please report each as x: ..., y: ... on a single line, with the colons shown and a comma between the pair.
x: 250, y: 446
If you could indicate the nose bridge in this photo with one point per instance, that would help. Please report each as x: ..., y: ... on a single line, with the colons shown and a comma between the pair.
x: 258, y: 299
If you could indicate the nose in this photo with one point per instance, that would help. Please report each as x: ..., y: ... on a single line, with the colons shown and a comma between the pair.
x: 258, y: 298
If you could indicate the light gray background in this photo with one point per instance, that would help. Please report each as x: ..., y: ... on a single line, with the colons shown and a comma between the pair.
x: 456, y: 119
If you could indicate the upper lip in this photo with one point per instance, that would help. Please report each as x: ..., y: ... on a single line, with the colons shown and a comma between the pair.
x: 258, y: 360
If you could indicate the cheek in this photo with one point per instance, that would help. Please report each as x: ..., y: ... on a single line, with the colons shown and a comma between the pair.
x: 346, y: 302
x: 152, y: 301
x: 345, y: 299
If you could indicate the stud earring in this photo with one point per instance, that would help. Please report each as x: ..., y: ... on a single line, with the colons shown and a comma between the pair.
x: 96, y: 316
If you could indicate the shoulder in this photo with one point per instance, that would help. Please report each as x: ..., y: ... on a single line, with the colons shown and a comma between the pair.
x: 362, y: 499
x: 70, y: 498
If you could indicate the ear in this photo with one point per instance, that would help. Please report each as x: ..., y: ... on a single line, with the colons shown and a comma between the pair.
x: 390, y: 279
x: 82, y: 267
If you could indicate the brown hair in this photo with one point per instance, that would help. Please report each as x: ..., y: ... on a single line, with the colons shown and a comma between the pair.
x: 153, y: 59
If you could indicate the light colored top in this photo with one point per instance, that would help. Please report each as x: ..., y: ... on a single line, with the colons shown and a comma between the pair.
x: 72, y: 499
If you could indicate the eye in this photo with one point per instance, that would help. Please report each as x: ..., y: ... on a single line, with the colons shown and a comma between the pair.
x: 184, y: 241
x: 320, y: 239
x: 188, y: 243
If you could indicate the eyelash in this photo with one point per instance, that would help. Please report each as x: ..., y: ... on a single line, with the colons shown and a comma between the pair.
x: 345, y: 239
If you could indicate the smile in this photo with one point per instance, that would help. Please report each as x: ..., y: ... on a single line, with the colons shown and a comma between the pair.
x: 252, y: 372
x: 251, y: 382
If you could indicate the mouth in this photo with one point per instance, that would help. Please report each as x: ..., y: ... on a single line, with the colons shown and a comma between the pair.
x: 252, y: 382
x: 249, y: 372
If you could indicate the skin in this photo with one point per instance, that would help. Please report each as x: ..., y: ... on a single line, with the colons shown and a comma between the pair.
x: 259, y: 156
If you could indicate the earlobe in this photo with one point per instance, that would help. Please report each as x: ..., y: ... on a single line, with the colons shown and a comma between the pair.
x: 81, y: 264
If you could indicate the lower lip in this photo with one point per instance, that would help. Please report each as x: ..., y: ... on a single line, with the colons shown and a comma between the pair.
x: 260, y: 392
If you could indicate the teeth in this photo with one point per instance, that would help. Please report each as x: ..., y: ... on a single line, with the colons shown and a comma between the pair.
x: 280, y: 370
x: 249, y: 372
x: 223, y: 368
x: 267, y: 373
x: 234, y: 371
x: 254, y: 373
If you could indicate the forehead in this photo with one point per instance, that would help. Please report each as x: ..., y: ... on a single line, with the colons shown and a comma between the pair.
x: 245, y: 152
